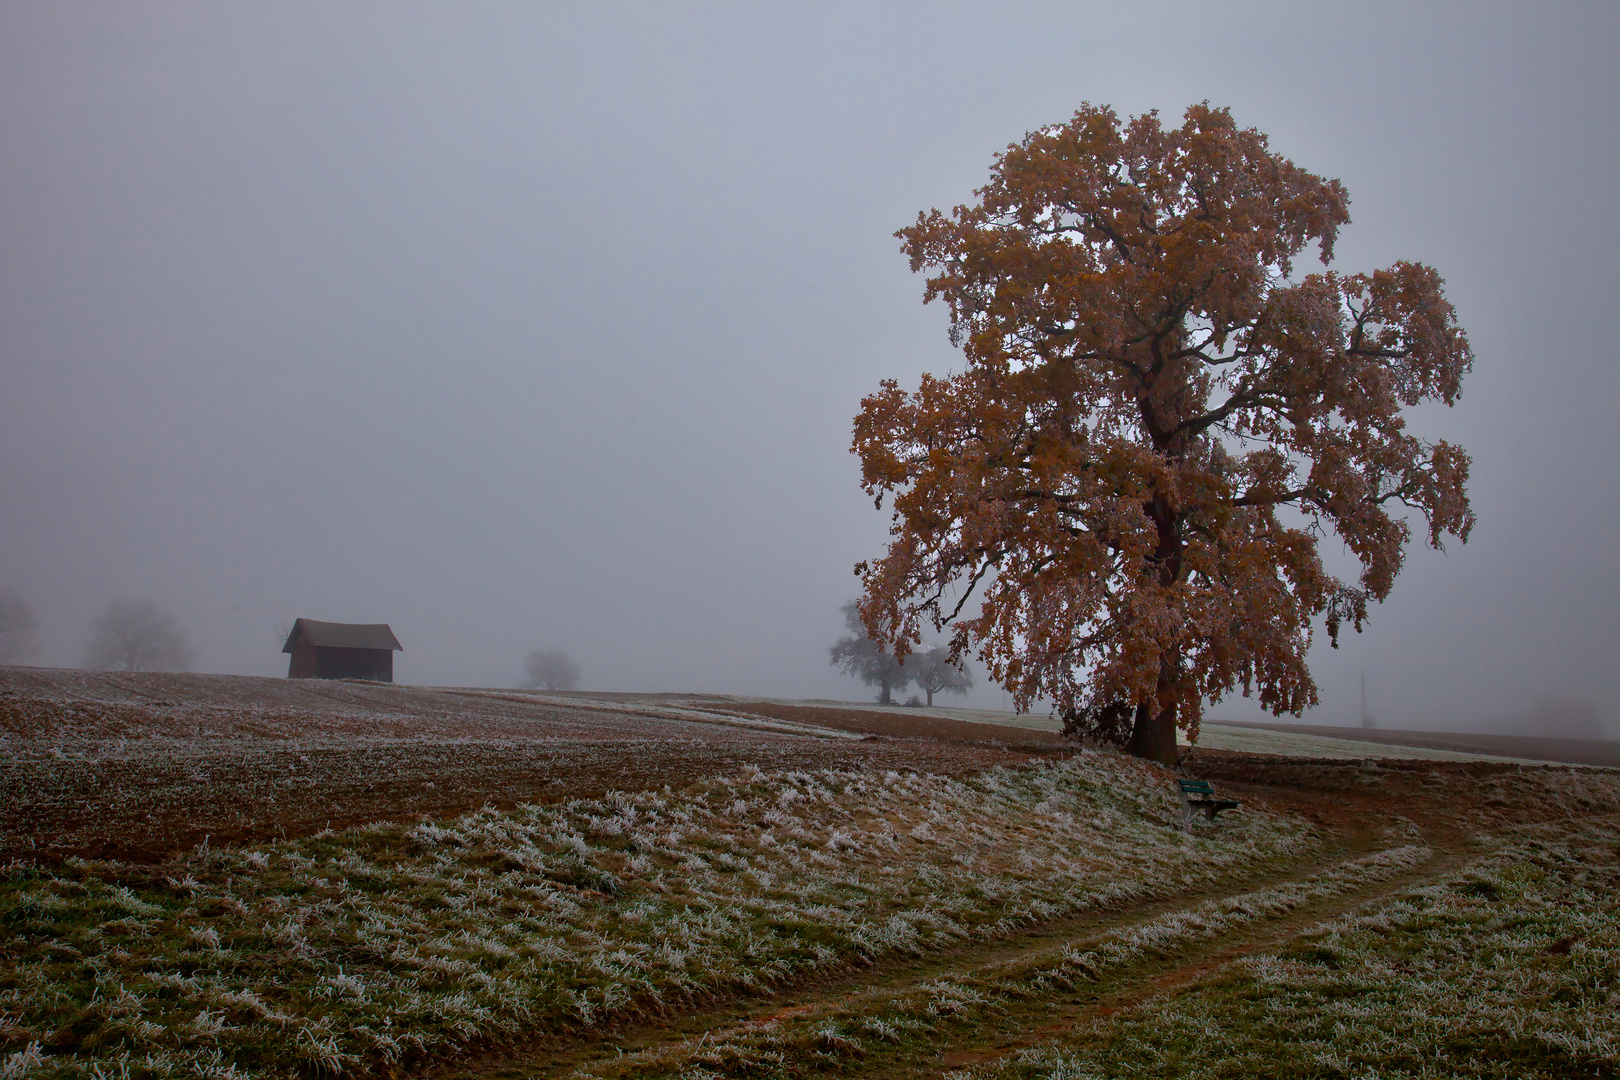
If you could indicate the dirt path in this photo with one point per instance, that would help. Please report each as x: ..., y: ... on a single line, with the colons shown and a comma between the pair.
x: 135, y: 765
x: 1043, y: 1020
x: 1358, y: 817
x: 638, y: 1050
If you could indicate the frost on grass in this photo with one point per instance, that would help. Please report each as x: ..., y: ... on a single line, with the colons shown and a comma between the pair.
x: 380, y: 944
x: 967, y: 1008
x: 1510, y: 970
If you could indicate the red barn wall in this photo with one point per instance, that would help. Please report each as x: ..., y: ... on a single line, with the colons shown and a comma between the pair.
x: 333, y: 662
x: 301, y: 665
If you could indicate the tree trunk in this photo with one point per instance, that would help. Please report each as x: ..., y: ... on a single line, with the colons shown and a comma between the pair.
x: 884, y: 698
x: 930, y: 691
x: 1153, y: 736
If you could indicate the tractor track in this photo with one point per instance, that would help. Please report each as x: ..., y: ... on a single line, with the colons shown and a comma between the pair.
x: 1356, y: 825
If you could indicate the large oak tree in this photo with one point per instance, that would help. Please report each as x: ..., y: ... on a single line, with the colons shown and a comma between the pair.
x: 1157, y: 420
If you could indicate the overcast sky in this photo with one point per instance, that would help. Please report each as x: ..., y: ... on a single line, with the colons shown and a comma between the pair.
x: 518, y: 326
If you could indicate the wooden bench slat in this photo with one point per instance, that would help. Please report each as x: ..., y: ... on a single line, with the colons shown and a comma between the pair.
x: 1205, y: 798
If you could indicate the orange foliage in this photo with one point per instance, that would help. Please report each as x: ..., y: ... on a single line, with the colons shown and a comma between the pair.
x: 1147, y: 381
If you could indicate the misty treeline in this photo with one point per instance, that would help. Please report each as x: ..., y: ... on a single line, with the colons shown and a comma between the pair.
x: 129, y: 635
x: 137, y: 635
x: 551, y: 669
x: 19, y: 637
x: 857, y: 654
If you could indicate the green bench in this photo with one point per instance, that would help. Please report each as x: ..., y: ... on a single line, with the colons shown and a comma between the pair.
x: 1198, y: 795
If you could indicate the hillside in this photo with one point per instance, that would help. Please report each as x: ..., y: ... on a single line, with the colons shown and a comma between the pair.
x: 645, y: 885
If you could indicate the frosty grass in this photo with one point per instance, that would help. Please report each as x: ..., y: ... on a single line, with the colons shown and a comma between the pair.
x: 350, y: 951
x: 1511, y: 970
x: 968, y: 1008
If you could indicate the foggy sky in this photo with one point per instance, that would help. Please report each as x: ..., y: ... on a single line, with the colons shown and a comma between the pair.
x: 519, y: 327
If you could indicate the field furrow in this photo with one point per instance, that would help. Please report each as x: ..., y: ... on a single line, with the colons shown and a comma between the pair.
x: 511, y: 886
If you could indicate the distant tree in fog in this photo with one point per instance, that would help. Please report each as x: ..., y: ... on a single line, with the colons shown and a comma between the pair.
x: 857, y: 654
x: 17, y: 626
x: 933, y: 671
x: 551, y: 669
x: 134, y: 635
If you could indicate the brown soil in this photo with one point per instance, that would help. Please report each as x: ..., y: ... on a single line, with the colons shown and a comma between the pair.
x: 140, y: 766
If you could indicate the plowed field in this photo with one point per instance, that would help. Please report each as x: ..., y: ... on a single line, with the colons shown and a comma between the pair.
x: 647, y: 886
x: 140, y: 766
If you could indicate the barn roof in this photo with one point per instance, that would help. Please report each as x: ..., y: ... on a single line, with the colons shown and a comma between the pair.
x: 343, y: 635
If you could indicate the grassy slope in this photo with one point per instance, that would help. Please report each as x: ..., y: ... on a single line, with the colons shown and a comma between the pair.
x: 1510, y: 970
x: 355, y: 950
x: 902, y: 1029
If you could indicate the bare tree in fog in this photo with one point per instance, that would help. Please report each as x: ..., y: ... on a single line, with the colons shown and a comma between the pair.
x: 551, y: 669
x: 17, y: 627
x: 134, y: 635
x: 933, y: 671
x: 857, y: 654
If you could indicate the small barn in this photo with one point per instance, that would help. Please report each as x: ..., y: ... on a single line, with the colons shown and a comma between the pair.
x: 335, y: 650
